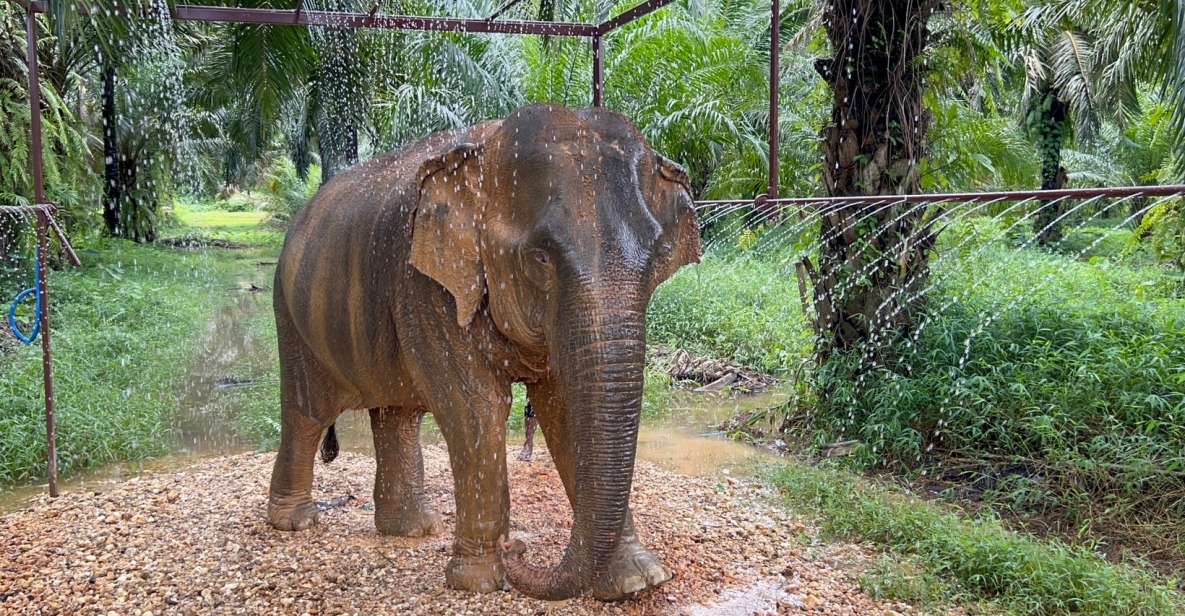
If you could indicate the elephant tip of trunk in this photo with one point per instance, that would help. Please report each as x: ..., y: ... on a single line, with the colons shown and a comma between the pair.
x: 513, y: 550
x: 553, y: 585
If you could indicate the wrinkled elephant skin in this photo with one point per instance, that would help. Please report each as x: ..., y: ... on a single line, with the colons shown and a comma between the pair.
x: 432, y: 278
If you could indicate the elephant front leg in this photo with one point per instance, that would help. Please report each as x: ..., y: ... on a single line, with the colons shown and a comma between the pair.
x: 632, y: 568
x: 400, y: 508
x: 476, y: 438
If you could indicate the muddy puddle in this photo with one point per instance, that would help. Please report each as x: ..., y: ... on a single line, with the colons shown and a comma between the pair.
x: 231, y: 358
x: 687, y: 440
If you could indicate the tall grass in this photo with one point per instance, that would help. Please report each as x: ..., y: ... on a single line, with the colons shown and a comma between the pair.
x: 1068, y: 373
x: 121, y: 325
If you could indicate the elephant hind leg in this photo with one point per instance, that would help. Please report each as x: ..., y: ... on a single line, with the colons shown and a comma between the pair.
x: 308, y: 407
x: 400, y: 508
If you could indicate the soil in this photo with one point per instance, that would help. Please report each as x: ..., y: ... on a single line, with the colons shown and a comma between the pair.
x: 196, y: 542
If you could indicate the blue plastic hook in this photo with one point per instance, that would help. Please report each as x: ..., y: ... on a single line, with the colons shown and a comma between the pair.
x: 30, y: 337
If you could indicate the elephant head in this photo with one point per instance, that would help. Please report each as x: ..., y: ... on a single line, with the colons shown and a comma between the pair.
x: 561, y: 223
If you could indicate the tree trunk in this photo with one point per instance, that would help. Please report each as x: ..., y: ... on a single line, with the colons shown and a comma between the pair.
x: 112, y: 173
x: 337, y: 144
x: 872, y: 259
x: 341, y: 91
x: 1052, y: 128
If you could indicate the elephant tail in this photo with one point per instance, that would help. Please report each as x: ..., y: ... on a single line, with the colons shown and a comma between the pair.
x: 329, y: 448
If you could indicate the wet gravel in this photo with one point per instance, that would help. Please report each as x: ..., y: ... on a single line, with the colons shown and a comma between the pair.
x: 196, y: 542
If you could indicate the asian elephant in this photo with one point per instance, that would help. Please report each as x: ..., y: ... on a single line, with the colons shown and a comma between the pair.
x: 432, y: 278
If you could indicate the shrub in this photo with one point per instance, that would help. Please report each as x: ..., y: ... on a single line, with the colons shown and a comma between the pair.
x: 287, y: 193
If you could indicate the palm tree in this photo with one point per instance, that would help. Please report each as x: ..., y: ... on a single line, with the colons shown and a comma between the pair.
x: 250, y: 76
x: 66, y: 139
x: 1061, y: 98
x: 695, y: 84
x: 871, y: 146
x: 1085, y: 61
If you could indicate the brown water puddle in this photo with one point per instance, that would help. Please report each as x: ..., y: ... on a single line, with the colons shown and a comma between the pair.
x: 683, y: 440
x: 687, y: 441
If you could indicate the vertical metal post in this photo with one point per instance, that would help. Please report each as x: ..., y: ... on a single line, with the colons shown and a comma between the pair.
x: 598, y: 77
x: 35, y: 158
x: 775, y: 71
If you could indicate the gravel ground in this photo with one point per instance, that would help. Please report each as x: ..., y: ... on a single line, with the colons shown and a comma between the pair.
x: 196, y: 542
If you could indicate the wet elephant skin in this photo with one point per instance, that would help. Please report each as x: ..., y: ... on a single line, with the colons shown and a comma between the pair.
x: 432, y: 278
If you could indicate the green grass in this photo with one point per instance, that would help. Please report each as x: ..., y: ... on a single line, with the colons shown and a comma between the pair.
x: 120, y: 331
x: 907, y: 579
x: 740, y: 308
x: 241, y: 228
x: 936, y: 555
x: 1073, y: 376
x: 125, y: 328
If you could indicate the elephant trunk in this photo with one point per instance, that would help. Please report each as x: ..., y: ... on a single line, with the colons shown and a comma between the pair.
x: 600, y: 364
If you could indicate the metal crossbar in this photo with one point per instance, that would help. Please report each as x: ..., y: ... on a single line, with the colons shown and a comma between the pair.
x: 1112, y: 192
x: 378, y: 21
x: 48, y: 210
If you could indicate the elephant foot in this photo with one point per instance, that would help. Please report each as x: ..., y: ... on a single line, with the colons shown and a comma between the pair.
x: 481, y: 574
x: 298, y: 515
x: 632, y: 570
x: 417, y: 523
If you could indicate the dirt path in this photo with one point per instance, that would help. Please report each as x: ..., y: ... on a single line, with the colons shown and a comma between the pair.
x: 195, y: 542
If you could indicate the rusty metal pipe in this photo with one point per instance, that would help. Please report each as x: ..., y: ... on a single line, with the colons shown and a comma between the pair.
x: 35, y: 160
x: 48, y: 208
x: 71, y: 256
x: 633, y: 14
x: 775, y: 72
x: 279, y: 17
x: 1115, y: 192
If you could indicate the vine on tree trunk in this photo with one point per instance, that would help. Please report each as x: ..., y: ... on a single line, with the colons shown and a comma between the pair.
x: 873, y: 259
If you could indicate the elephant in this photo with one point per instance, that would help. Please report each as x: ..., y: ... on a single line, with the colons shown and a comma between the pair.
x: 430, y: 279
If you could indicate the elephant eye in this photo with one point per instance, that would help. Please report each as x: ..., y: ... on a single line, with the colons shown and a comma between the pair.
x: 541, y: 256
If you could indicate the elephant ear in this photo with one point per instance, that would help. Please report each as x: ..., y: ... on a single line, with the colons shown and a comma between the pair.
x: 674, y: 199
x: 444, y: 241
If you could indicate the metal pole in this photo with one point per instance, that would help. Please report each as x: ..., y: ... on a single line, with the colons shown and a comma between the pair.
x: 35, y: 158
x: 774, y: 76
x: 598, y: 77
